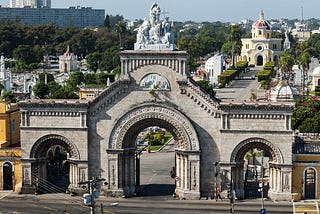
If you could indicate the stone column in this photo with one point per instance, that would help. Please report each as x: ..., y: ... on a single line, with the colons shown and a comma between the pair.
x: 271, y: 178
x: 132, y: 173
x: 190, y: 180
x: 226, y: 176
x: 27, y: 186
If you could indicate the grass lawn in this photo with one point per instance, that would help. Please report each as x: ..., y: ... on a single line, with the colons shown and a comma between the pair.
x: 154, y: 148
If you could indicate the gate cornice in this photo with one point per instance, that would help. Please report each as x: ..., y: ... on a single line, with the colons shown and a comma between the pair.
x: 184, y: 130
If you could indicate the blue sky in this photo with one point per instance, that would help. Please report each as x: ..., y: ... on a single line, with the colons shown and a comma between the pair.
x: 201, y: 10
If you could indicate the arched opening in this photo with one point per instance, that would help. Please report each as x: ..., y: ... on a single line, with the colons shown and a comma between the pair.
x: 7, y: 172
x: 124, y: 150
x: 259, y: 60
x: 253, y: 159
x: 310, y: 178
x: 155, y: 162
x: 54, y: 157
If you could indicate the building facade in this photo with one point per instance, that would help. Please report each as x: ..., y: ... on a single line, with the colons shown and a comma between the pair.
x: 99, y: 136
x: 215, y: 66
x: 10, y: 152
x: 75, y: 16
x: 68, y: 62
x: 30, y: 3
x: 261, y: 47
x: 305, y: 177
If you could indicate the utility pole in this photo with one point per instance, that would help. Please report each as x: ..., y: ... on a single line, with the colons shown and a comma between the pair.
x: 215, y: 180
x: 262, y: 210
x: 91, y: 185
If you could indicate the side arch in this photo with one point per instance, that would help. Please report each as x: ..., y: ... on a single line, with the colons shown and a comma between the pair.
x: 183, y: 128
x: 240, y: 150
x: 39, y: 145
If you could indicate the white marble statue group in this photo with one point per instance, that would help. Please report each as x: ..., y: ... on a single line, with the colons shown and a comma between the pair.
x: 154, y: 33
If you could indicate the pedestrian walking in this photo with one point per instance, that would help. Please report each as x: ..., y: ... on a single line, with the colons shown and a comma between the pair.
x: 219, y: 194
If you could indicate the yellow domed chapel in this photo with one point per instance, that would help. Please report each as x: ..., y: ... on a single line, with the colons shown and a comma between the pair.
x: 261, y: 47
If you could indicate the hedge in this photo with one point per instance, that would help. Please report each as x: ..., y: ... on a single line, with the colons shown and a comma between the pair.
x: 227, y: 77
x: 242, y: 65
x: 264, y: 75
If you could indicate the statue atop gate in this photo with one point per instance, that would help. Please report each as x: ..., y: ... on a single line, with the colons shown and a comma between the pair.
x: 155, y: 34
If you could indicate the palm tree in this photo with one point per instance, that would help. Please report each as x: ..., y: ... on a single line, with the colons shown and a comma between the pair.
x: 252, y: 153
x: 286, y: 61
x: 304, y: 61
x: 120, y: 29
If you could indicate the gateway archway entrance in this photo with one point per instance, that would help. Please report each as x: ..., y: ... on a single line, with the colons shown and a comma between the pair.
x: 155, y: 161
x: 124, y: 150
x: 310, y: 178
x: 7, y: 172
x: 254, y: 159
x: 53, y: 163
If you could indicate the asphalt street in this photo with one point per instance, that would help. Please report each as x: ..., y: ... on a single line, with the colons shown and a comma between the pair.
x: 156, y: 197
x: 241, y: 89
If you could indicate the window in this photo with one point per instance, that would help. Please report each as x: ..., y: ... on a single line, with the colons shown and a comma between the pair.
x: 259, y: 48
x: 247, y: 46
x: 267, y: 35
x: 260, y: 32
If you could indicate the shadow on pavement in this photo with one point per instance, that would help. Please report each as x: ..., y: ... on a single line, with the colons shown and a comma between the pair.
x: 157, y: 190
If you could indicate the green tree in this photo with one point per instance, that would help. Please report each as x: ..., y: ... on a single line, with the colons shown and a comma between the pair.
x: 93, y: 60
x: 207, y: 87
x: 9, y: 96
x: 233, y: 45
x: 65, y: 92
x: 25, y: 54
x: 75, y: 79
x: 121, y: 30
x: 286, y: 61
x: 53, y: 87
x: 110, y: 59
x: 42, y: 77
x: 41, y: 90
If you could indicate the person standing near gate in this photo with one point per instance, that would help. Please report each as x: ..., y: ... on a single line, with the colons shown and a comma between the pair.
x: 173, y: 176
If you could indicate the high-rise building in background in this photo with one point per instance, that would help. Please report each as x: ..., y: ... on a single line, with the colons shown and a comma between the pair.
x: 30, y: 3
x: 74, y: 16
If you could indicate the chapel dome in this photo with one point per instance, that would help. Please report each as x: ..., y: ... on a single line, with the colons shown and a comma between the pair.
x: 316, y: 71
x: 261, y: 23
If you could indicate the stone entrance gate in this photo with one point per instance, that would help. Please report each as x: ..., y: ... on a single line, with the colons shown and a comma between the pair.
x: 100, y: 135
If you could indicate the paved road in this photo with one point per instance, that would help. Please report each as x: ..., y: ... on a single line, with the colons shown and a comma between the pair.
x: 63, y: 203
x: 155, y: 173
x: 241, y: 89
x: 40, y: 204
x: 156, y: 197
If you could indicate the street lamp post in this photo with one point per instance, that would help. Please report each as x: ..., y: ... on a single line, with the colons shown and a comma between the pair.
x: 262, y: 210
x: 91, y: 184
x: 216, y: 173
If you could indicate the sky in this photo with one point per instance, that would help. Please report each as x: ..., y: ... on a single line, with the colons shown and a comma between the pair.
x: 200, y: 10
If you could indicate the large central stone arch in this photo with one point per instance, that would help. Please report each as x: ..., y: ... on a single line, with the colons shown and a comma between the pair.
x: 184, y: 129
x: 122, y: 148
